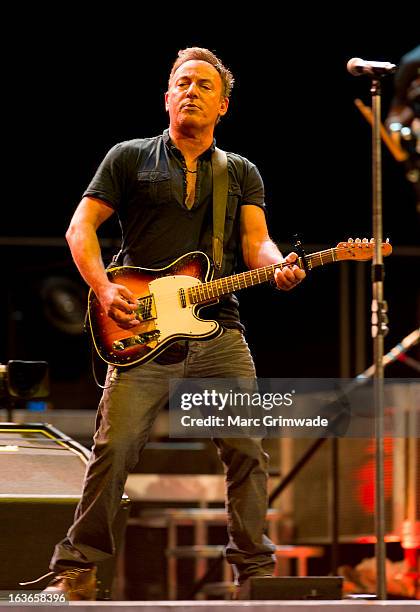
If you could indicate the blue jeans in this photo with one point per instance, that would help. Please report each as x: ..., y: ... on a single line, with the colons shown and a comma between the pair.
x: 125, y: 416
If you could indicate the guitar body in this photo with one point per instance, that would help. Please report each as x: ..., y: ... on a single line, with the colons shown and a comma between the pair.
x: 163, y: 316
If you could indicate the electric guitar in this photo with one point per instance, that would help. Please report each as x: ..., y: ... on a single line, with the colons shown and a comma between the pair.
x: 169, y: 300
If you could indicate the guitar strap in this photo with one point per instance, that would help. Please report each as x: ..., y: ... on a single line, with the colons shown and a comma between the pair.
x: 115, y: 260
x: 220, y: 193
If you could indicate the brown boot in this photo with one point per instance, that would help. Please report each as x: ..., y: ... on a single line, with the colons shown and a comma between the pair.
x: 76, y: 583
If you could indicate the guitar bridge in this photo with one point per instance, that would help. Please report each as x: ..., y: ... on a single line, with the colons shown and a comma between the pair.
x: 145, y: 338
x: 146, y: 310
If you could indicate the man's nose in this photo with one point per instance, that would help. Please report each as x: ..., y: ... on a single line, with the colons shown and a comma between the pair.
x: 192, y: 90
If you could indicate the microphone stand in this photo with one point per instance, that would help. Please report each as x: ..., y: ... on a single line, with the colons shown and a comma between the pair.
x: 378, y: 330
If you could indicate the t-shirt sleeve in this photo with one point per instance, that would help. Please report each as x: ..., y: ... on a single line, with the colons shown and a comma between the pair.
x: 253, y: 188
x: 110, y: 178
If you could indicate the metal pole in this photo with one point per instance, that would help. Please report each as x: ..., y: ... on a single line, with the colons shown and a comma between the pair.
x: 378, y: 329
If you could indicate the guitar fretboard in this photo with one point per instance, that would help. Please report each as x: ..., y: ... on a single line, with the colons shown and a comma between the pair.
x: 222, y: 286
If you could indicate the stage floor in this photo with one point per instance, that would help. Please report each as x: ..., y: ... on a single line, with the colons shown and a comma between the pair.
x: 238, y: 606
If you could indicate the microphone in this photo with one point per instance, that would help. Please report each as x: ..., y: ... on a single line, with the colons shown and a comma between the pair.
x: 356, y: 66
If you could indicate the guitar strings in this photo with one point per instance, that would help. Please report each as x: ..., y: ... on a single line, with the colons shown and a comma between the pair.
x: 321, y: 257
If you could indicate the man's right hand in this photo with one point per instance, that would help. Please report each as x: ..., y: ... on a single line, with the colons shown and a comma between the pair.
x: 119, y: 303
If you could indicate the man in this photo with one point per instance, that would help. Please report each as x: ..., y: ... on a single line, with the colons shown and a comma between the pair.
x: 403, y: 120
x: 161, y: 189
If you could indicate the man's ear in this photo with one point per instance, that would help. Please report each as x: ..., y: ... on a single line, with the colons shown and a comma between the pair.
x: 224, y: 105
x: 166, y: 101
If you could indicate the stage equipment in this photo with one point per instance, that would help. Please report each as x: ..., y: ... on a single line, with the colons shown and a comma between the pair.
x: 24, y: 379
x: 292, y: 588
x: 41, y: 484
x: 63, y: 304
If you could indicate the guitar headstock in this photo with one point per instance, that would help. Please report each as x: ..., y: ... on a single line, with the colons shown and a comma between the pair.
x: 361, y: 250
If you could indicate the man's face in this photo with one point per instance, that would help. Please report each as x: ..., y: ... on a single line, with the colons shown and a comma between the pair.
x: 194, y: 98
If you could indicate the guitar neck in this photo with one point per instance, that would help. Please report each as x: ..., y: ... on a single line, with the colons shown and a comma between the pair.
x: 222, y: 286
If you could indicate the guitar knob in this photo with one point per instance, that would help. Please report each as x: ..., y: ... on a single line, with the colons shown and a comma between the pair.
x: 365, y: 241
x: 350, y: 240
x: 372, y: 240
x: 358, y: 241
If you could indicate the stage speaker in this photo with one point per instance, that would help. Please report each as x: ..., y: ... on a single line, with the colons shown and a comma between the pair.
x: 305, y: 587
x: 42, y: 476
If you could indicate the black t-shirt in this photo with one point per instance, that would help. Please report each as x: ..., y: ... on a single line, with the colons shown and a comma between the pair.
x: 143, y: 180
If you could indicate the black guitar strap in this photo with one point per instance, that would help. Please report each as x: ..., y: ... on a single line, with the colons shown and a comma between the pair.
x: 220, y: 193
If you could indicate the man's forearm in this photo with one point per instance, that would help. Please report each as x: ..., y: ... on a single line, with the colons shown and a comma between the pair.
x: 86, y: 252
x: 262, y: 253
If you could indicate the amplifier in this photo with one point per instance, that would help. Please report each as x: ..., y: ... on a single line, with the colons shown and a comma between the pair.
x: 42, y: 477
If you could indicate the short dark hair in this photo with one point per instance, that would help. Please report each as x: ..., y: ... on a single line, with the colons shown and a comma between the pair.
x: 198, y: 53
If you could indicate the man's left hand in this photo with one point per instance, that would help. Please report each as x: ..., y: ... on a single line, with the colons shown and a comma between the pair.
x: 289, y: 276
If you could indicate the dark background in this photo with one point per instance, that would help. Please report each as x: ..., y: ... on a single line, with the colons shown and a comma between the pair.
x: 77, y: 86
